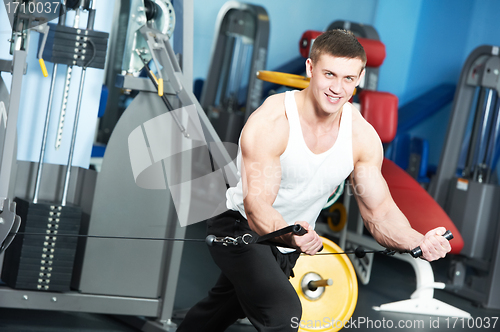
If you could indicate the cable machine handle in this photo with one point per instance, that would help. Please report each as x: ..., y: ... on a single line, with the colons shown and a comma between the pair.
x: 417, y: 252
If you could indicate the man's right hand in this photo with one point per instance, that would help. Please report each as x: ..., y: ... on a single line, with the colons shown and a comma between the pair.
x: 309, y: 243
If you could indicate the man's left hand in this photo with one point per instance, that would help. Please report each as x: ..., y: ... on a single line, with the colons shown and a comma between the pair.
x: 434, y: 246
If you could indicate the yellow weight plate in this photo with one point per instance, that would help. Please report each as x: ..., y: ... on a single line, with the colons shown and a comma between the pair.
x: 336, y: 224
x: 335, y: 306
x: 291, y: 80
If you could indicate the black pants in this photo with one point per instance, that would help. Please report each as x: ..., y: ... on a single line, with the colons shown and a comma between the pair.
x: 253, y: 283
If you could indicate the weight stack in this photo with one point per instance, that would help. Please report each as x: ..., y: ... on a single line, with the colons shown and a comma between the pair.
x: 75, y: 47
x: 42, y: 262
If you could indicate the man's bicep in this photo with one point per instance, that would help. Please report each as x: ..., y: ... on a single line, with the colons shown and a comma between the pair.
x: 261, y: 169
x: 369, y: 187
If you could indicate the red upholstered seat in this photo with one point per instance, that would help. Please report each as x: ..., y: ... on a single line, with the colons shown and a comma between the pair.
x: 380, y: 109
x: 375, y: 52
x: 417, y: 205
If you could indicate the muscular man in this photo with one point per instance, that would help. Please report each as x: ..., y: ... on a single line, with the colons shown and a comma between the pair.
x: 294, y: 151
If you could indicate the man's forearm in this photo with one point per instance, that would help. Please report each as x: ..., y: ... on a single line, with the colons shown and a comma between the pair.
x: 264, y: 219
x: 392, y: 230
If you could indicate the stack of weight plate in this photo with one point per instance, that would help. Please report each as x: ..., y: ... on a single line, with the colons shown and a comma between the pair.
x: 76, y: 47
x: 43, y: 260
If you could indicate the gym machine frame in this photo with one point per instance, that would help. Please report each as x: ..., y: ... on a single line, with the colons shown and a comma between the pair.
x: 239, y: 49
x: 9, y: 110
x: 469, y: 198
x: 160, y: 308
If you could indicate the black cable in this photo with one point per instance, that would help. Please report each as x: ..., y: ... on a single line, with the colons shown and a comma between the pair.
x: 93, y: 53
x: 360, y: 252
x: 109, y: 237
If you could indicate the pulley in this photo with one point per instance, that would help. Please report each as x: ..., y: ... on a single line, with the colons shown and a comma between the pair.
x: 160, y: 16
x: 156, y: 14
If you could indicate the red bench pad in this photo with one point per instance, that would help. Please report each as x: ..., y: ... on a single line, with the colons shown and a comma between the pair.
x: 417, y: 205
x: 375, y: 52
x: 380, y: 109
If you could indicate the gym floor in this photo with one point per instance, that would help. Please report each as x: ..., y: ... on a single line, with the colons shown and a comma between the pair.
x: 391, y: 280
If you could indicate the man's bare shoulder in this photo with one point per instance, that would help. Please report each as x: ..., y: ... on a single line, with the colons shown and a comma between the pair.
x: 267, y: 127
x: 272, y: 109
x: 366, y: 142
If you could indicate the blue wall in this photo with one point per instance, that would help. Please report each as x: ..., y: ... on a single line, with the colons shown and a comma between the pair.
x: 437, y: 46
x: 484, y: 27
x: 438, y: 43
x: 397, y: 25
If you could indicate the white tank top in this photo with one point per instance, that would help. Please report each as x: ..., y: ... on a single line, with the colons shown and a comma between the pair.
x: 307, y: 179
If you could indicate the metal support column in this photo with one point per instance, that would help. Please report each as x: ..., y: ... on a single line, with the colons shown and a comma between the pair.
x: 9, y: 153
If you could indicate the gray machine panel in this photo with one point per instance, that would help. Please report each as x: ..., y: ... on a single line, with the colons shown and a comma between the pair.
x: 122, y: 208
x: 474, y: 207
x: 462, y: 103
x: 466, y: 182
x: 238, y: 52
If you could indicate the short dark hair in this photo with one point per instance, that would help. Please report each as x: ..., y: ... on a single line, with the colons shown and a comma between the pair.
x: 338, y: 43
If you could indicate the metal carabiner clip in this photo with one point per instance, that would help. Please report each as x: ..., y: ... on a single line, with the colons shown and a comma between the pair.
x: 225, y: 241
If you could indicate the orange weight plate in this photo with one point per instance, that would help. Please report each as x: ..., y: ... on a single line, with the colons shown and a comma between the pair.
x: 291, y: 80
